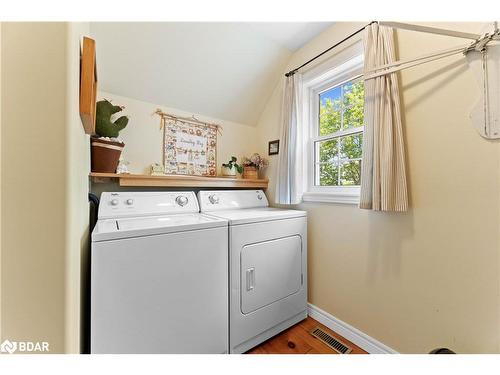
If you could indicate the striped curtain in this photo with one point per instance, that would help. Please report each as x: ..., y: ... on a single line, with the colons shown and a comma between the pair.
x: 383, y: 174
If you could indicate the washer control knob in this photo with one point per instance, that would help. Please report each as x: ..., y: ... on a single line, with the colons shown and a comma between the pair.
x: 214, y: 199
x: 129, y: 201
x: 259, y: 197
x: 182, y: 200
x: 114, y: 202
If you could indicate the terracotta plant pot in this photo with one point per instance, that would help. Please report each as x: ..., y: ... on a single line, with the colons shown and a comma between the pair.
x: 250, y: 173
x: 105, y: 155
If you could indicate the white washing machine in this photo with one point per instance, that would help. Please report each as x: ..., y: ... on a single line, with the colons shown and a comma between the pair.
x: 159, y: 276
x: 267, y: 265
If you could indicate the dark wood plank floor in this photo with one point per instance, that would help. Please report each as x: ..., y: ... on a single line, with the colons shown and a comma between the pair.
x: 298, y: 340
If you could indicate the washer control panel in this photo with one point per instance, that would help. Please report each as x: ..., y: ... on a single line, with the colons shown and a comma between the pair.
x: 214, y: 200
x: 127, y: 204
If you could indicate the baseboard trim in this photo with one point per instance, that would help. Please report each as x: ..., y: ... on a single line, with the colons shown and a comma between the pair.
x: 352, y: 334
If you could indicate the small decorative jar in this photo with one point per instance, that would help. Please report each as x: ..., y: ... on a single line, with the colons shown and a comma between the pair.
x: 250, y: 173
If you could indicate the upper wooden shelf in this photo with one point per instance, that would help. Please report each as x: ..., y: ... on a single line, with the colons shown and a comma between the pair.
x: 179, y: 181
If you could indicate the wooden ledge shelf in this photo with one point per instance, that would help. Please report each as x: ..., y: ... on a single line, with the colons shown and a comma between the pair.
x: 137, y: 180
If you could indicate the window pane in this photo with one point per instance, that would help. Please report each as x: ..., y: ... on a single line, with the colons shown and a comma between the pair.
x: 333, y: 96
x: 330, y: 111
x: 350, y: 173
x: 328, y: 175
x: 337, y: 161
x: 328, y: 151
x: 327, y: 159
x: 353, y: 92
x: 351, y: 146
x: 353, y: 99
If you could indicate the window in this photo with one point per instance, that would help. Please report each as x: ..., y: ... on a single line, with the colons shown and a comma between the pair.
x: 334, y: 111
x: 339, y: 137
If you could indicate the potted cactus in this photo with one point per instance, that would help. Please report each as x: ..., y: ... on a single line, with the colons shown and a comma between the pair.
x: 106, y: 147
x: 230, y: 168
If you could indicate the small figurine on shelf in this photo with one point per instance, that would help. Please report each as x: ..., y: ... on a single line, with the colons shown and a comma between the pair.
x: 252, y: 165
x: 157, y: 170
x: 122, y: 167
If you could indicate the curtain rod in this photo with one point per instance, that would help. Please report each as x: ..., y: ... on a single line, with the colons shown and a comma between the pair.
x: 403, y: 26
x: 292, y: 72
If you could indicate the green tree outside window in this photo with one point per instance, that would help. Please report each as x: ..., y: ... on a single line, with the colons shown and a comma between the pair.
x: 340, y: 109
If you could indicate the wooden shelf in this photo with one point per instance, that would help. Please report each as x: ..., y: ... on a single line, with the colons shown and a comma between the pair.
x: 136, y: 180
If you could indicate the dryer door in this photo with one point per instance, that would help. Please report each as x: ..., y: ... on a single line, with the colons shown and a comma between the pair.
x: 270, y: 271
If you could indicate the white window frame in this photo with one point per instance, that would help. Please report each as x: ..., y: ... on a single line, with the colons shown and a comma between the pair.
x: 344, y: 67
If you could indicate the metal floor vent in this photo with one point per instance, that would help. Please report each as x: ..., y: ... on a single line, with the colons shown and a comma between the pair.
x: 331, y: 341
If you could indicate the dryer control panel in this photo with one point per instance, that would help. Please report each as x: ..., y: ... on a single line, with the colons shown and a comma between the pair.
x: 127, y: 204
x: 216, y: 200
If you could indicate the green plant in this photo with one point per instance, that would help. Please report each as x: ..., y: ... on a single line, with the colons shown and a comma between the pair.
x: 104, y: 127
x: 232, y: 163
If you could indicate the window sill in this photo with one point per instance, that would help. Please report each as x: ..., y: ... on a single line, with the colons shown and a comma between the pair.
x: 344, y: 197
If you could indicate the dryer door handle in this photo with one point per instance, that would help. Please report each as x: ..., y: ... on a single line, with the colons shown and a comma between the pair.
x: 250, y: 279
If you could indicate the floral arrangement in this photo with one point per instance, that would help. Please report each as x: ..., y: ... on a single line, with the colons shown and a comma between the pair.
x: 255, y: 161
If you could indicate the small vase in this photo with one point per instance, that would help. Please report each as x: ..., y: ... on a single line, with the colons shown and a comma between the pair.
x: 250, y: 173
x: 228, y: 172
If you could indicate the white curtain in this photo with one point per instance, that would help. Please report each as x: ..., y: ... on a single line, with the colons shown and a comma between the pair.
x: 288, y: 185
x: 383, y: 174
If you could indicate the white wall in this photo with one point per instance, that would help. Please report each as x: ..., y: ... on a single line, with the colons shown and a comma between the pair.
x: 224, y: 70
x: 44, y: 173
x: 144, y: 139
x: 430, y: 277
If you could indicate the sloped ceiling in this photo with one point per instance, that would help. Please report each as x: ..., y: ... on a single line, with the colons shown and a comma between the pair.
x: 221, y: 70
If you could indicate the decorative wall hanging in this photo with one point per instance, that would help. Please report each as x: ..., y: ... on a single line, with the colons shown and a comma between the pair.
x: 189, y: 146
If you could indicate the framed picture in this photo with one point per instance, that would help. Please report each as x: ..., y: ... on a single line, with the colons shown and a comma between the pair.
x: 190, y: 148
x: 274, y: 147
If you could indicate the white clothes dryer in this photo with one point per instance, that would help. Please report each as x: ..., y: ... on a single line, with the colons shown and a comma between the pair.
x: 267, y: 264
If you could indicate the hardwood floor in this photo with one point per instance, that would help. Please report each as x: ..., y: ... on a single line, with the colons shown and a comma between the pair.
x: 298, y: 340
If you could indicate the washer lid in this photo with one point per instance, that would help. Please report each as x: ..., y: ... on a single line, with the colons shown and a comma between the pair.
x: 110, y: 229
x: 255, y: 215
